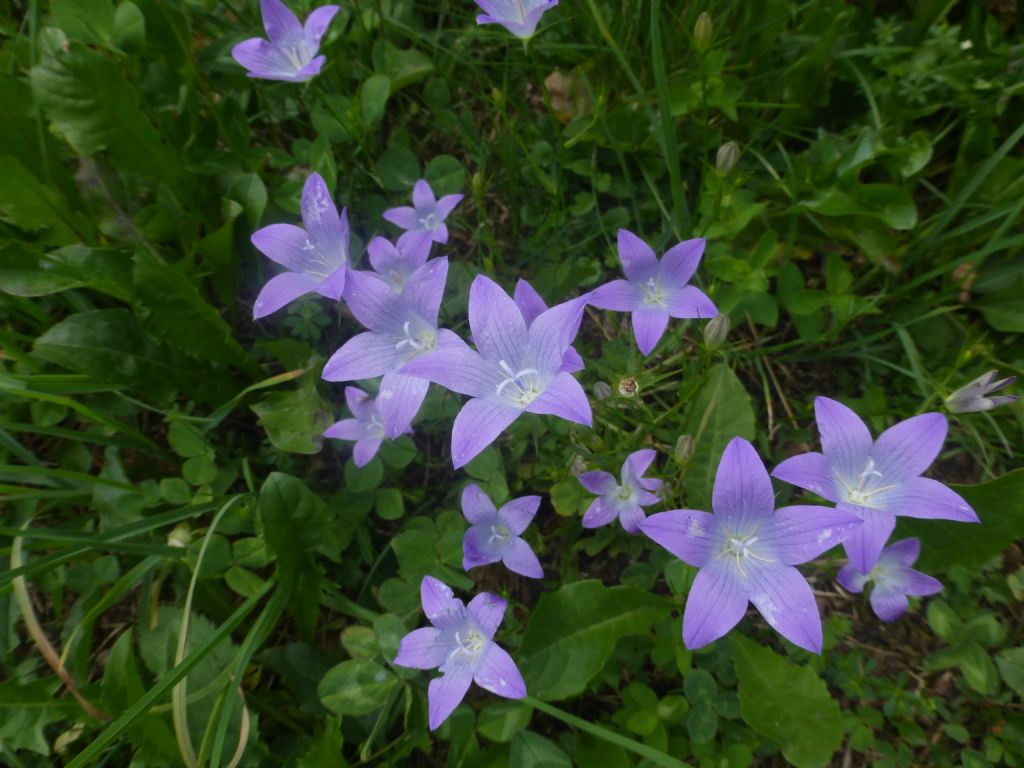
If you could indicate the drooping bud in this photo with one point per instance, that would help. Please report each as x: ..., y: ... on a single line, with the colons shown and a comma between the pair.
x: 716, y: 330
x: 602, y: 389
x: 702, y: 32
x: 684, y: 449
x: 628, y: 387
x: 726, y: 158
x: 974, y: 396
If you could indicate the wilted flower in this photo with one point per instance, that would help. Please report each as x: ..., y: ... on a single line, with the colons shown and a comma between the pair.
x: 366, y: 429
x: 403, y: 327
x: 495, y: 534
x: 520, y: 17
x: 655, y: 291
x: 628, y: 386
x: 746, y: 551
x: 624, y: 499
x: 461, y: 643
x: 289, y: 54
x: 875, y: 480
x: 427, y: 214
x: 973, y: 397
x: 395, y: 263
x: 517, y: 368
x: 893, y: 578
x: 316, y: 257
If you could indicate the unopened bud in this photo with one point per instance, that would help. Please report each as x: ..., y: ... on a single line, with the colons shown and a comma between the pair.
x: 578, y: 466
x: 726, y: 158
x: 716, y: 330
x: 498, y: 98
x: 628, y: 387
x: 684, y: 449
x: 181, y: 536
x: 602, y: 390
x: 702, y: 32
x: 476, y: 183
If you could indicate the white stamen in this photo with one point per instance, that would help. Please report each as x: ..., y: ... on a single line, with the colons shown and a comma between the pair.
x: 521, y: 383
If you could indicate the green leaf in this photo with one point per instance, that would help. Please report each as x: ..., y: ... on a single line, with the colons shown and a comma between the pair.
x: 185, y: 440
x: 978, y: 669
x: 389, y: 504
x: 573, y: 631
x: 91, y: 21
x: 446, y: 175
x: 786, y: 703
x: 531, y: 750
x: 1011, y: 666
x: 295, y: 420
x: 503, y: 720
x: 129, y: 26
x: 357, y: 687
x: 721, y: 411
x: 401, y: 67
x: 27, y: 272
x: 373, y: 95
x: 31, y: 205
x: 398, y: 169
x: 892, y: 205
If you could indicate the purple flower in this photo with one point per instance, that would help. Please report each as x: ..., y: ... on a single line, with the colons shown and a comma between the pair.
x: 974, y: 396
x: 427, y: 214
x: 461, y: 644
x: 495, y: 533
x: 403, y: 327
x: 367, y: 428
x: 289, y: 54
x: 655, y: 290
x: 396, y: 264
x: 517, y: 368
x: 316, y: 257
x: 875, y: 480
x: 532, y: 306
x: 746, y: 551
x: 894, y: 579
x: 623, y: 500
x: 520, y: 17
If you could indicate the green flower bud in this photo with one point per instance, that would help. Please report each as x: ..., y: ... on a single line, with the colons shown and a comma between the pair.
x: 684, y: 449
x: 602, y: 390
x: 726, y: 158
x: 702, y: 32
x: 716, y: 330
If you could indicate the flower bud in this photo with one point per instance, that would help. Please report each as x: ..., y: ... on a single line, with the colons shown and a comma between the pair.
x: 181, y: 536
x: 973, y: 397
x: 702, y: 32
x: 716, y: 330
x: 628, y: 387
x: 578, y: 466
x: 602, y: 390
x: 726, y: 158
x: 684, y: 449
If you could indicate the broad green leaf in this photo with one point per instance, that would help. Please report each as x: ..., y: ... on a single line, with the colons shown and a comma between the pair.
x: 573, y: 630
x: 721, y: 411
x: 890, y: 204
x: 398, y: 169
x: 389, y: 503
x: 786, y: 703
x: 1011, y: 666
x: 129, y: 26
x: 295, y: 420
x: 91, y: 21
x: 446, y: 175
x: 531, y: 750
x: 32, y: 205
x: 401, y: 67
x: 185, y: 440
x: 373, y: 95
x: 357, y: 687
x: 27, y: 272
x: 503, y: 719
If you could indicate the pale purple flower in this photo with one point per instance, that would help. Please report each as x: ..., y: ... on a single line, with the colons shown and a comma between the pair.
x: 290, y: 54
x: 461, y: 643
x: 974, y: 396
x: 623, y: 499
x: 395, y: 263
x: 876, y: 480
x: 893, y: 579
x: 427, y: 213
x: 366, y: 428
x: 517, y: 368
x: 532, y: 306
x: 746, y: 550
x: 316, y: 257
x: 495, y: 534
x: 655, y: 290
x: 520, y: 17
x: 403, y: 327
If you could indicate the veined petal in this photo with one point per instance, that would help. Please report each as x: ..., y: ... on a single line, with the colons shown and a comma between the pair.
x: 810, y: 471
x: 904, y: 551
x: 599, y: 513
x: 281, y: 290
x: 928, y: 499
x: 423, y: 648
x: 552, y: 332
x: 425, y: 288
x: 364, y: 356
x: 478, y: 425
x: 618, y: 296
x: 691, y: 302
x: 845, y: 439
x: 786, y: 601
x: 281, y: 24
x: 572, y: 362
x: 283, y: 243
x: 414, y: 248
x: 639, y: 261
x: 486, y: 611
x: 423, y: 196
x: 680, y: 262
x: 439, y: 234
x: 459, y: 369
x: 373, y: 303
x: 263, y: 59
x: 530, y: 304
x: 920, y: 584
x: 598, y: 482
x: 636, y: 464
x: 499, y: 329
x: 517, y: 514
x: 445, y: 693
x: 887, y: 603
x: 649, y: 323
x: 399, y: 401
x: 743, y: 491
x: 498, y: 674
x: 477, y: 506
x: 360, y: 403
x: 864, y: 544
x: 365, y: 450
x: 801, y: 533
x: 403, y: 216
x: 477, y: 548
x: 716, y: 603
x: 519, y: 558
x: 320, y: 216
x: 565, y: 398
x: 689, y: 534
x: 630, y: 516
x: 311, y: 70
x: 346, y: 429
x: 317, y: 23
x: 437, y: 599
x: 333, y: 286
x: 852, y: 579
x: 383, y: 255
x: 447, y: 204
x: 908, y: 448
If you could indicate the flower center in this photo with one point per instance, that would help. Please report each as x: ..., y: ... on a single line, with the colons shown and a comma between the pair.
x: 416, y: 343
x: 624, y: 492
x: 742, y: 548
x: 397, y: 280
x: 430, y: 221
x: 298, y: 54
x: 374, y: 428
x: 654, y: 295
x: 499, y: 533
x: 468, y: 643
x: 520, y: 386
x: 861, y: 493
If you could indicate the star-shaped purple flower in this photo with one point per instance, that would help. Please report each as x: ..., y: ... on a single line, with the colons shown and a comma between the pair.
x: 517, y: 368
x: 461, y: 643
x: 427, y: 214
x: 746, y: 551
x: 366, y: 428
x: 495, y: 533
x: 316, y: 257
x: 876, y: 480
x: 893, y: 578
x: 532, y: 306
x: 655, y: 290
x: 395, y: 263
x: 623, y: 499
x: 290, y: 54
x: 520, y: 17
x: 403, y: 327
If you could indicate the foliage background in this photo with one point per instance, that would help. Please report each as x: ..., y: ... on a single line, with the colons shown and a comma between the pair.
x: 161, y: 458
